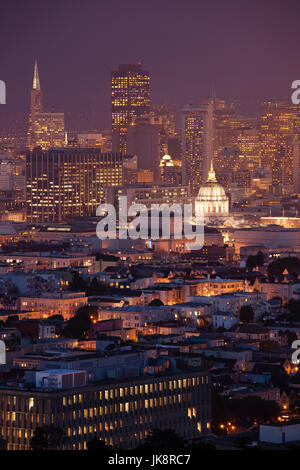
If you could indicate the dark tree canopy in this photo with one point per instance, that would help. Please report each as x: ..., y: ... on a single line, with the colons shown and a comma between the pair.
x: 99, y: 445
x: 255, y: 260
x: 248, y: 409
x: 163, y: 440
x: 47, y: 438
x: 156, y: 303
x: 79, y: 325
x: 78, y: 283
x: 246, y: 314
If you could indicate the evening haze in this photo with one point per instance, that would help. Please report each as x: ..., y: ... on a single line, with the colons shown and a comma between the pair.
x: 248, y: 51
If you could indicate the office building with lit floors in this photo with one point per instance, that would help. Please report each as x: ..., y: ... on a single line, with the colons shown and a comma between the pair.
x: 120, y: 412
x: 130, y: 98
x: 65, y: 183
x: 197, y: 133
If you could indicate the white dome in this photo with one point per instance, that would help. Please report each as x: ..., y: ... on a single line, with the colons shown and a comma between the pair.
x: 211, y: 192
x: 212, y: 198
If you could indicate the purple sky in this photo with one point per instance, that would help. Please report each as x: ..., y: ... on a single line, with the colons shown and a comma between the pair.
x: 249, y: 49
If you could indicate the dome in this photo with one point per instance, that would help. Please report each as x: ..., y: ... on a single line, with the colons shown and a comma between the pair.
x: 211, y: 192
x: 166, y: 160
x: 212, y: 198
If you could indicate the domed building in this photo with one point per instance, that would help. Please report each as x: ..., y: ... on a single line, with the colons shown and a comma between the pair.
x: 212, y: 198
x: 170, y: 172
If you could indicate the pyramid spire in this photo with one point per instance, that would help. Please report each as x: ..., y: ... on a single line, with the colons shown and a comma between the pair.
x: 213, y: 92
x: 211, y: 173
x: 36, y: 79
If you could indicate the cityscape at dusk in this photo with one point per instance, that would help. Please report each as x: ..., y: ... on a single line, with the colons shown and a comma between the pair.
x: 149, y: 228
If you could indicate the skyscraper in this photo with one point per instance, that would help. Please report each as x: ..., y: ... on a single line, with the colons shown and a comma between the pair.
x: 68, y: 182
x: 130, y: 95
x: 166, y: 116
x: 197, y: 132
x: 277, y: 132
x: 224, y: 133
x: 296, y: 165
x: 45, y: 129
x: 143, y: 141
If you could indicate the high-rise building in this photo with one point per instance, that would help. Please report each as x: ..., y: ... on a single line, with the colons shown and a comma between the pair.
x: 223, y: 129
x: 170, y: 171
x: 68, y: 182
x: 143, y: 141
x: 166, y: 116
x: 197, y: 131
x: 296, y: 165
x: 277, y: 132
x: 174, y: 148
x: 45, y: 129
x: 130, y: 95
x: 248, y: 142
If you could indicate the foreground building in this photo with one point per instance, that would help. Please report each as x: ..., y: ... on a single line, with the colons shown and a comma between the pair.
x: 121, y: 414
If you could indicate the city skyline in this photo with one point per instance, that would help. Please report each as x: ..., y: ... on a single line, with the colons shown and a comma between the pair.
x: 149, y: 227
x: 241, y: 64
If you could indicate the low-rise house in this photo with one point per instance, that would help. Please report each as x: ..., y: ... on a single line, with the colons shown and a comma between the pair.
x: 263, y: 392
x: 252, y: 331
x: 137, y: 316
x: 224, y: 320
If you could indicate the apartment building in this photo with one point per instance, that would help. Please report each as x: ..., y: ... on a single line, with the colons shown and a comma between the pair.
x: 57, y: 303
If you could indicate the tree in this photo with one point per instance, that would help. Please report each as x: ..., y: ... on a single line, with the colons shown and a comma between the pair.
x: 97, y: 288
x: 47, y: 438
x: 293, y: 307
x: 156, y: 303
x: 255, y: 260
x: 246, y: 314
x: 291, y: 337
x: 248, y: 409
x: 99, y: 445
x: 243, y: 441
x: 78, y: 283
x: 163, y: 441
x: 12, y: 318
x: 79, y: 325
x: 56, y: 317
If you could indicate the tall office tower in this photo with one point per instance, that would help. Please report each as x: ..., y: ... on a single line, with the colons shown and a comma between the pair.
x: 248, y: 143
x: 224, y: 135
x: 197, y: 133
x: 296, y: 111
x: 296, y: 165
x: 45, y: 129
x: 36, y: 105
x: 166, y: 115
x: 170, y: 171
x: 174, y: 148
x: 130, y: 98
x: 68, y: 182
x: 277, y: 131
x: 143, y: 141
